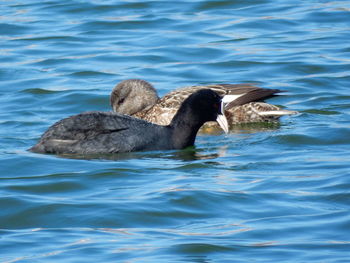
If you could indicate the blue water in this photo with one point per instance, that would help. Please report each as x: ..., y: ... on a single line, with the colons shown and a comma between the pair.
x: 259, y: 194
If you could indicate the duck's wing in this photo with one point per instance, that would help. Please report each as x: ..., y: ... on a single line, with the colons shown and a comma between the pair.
x: 239, y: 94
x: 234, y: 94
x: 256, y: 112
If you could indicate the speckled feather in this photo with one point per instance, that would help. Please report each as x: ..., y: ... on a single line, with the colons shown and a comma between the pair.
x: 165, y: 108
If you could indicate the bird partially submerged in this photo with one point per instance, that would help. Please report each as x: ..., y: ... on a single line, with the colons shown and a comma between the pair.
x: 108, y: 132
x: 244, y: 102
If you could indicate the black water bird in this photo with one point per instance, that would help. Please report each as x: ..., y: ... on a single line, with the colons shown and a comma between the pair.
x: 108, y: 132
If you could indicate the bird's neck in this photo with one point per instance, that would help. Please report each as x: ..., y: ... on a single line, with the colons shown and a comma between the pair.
x: 184, y: 129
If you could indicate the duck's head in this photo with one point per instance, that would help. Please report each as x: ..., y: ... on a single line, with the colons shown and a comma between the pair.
x: 202, y: 106
x: 133, y: 95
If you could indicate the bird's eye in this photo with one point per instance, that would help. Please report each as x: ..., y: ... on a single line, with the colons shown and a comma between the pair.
x: 121, y: 101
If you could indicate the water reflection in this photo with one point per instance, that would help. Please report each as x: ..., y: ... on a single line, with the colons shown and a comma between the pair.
x: 189, y: 154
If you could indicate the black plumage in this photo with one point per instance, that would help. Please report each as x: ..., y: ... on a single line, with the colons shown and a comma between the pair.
x: 107, y: 132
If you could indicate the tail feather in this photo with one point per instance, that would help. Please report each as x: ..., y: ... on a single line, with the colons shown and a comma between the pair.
x: 252, y: 96
x: 277, y: 113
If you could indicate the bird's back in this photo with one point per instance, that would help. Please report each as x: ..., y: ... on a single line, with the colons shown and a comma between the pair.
x: 101, y: 132
x: 165, y: 108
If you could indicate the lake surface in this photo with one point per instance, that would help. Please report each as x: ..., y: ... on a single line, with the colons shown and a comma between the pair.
x: 262, y: 193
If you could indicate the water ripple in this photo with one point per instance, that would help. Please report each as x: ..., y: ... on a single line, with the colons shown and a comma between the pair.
x: 261, y: 193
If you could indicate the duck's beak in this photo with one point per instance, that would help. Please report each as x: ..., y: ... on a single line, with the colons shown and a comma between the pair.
x: 221, y: 119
